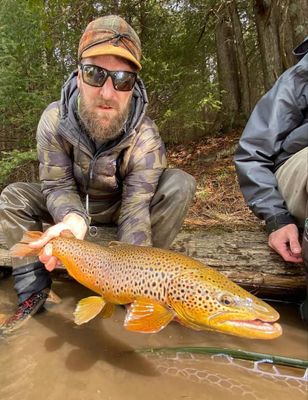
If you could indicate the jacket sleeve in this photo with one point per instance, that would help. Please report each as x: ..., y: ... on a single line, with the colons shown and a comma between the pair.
x: 147, y: 161
x: 55, y: 169
x: 277, y: 114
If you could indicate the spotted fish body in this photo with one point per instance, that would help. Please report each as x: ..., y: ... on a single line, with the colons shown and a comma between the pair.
x: 160, y: 285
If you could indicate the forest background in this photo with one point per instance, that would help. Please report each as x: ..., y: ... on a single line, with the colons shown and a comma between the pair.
x: 205, y: 65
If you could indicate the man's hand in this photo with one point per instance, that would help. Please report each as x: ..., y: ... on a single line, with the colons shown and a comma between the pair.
x: 72, y: 222
x: 285, y: 241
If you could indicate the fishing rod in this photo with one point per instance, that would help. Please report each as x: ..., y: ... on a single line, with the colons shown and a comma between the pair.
x: 235, y: 353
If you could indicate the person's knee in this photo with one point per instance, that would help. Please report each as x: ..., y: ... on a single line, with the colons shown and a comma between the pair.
x: 8, y: 196
x: 12, y: 190
x: 20, y: 199
x: 178, y: 184
x: 184, y: 181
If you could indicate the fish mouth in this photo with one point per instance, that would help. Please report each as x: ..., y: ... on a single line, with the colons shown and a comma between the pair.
x: 255, y: 329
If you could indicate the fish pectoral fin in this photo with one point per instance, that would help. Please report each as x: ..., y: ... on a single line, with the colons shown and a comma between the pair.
x: 88, y: 308
x: 147, y: 317
x: 108, y: 310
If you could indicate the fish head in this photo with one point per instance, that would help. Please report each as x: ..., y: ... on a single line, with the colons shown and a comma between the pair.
x: 208, y: 300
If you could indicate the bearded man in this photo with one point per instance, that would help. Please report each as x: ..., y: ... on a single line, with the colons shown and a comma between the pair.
x: 101, y: 161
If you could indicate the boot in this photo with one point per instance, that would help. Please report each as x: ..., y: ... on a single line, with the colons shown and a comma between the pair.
x: 32, y: 284
x: 24, y: 312
x: 304, y: 305
x: 30, y: 279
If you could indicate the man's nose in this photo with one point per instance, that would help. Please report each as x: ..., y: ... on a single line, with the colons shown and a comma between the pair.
x: 107, y: 90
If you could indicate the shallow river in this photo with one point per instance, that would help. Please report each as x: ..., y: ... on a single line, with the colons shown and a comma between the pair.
x: 51, y: 358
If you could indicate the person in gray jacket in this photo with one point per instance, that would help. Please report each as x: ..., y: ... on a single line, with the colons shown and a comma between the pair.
x: 272, y: 161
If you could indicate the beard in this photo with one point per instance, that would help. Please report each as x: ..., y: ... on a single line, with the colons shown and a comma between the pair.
x: 102, y: 127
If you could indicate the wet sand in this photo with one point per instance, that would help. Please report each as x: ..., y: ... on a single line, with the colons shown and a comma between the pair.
x: 51, y: 358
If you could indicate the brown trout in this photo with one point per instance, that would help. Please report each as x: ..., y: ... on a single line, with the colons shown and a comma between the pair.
x: 159, y: 286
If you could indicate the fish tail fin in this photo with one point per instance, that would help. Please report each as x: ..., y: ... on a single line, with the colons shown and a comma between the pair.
x: 22, y: 248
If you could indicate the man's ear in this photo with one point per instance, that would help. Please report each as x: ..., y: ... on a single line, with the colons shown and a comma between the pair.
x: 78, y: 78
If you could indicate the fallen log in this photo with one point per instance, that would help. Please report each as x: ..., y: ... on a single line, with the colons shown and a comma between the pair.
x: 243, y: 256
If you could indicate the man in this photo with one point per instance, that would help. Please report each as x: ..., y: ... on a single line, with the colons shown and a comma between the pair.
x: 101, y: 161
x: 272, y: 161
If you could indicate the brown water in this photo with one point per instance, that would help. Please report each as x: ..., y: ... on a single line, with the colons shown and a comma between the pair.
x: 51, y: 358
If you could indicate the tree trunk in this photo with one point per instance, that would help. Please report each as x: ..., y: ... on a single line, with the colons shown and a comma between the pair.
x: 227, y: 68
x: 115, y: 6
x: 241, y: 59
x: 286, y: 39
x: 243, y: 256
x: 266, y: 17
x: 299, y: 18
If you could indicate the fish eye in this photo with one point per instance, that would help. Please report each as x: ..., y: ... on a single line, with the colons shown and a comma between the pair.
x: 226, y: 299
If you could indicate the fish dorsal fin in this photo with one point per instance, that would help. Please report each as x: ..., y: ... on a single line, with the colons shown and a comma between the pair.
x: 147, y: 316
x: 66, y: 233
x: 88, y: 308
x: 115, y: 243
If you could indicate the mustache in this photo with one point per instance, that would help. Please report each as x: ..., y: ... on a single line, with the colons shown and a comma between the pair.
x: 106, y: 103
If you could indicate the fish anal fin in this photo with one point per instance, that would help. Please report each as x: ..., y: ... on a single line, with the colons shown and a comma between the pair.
x: 88, y: 308
x: 147, y: 316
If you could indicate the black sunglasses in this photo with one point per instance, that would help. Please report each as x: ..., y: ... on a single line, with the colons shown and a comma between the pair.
x: 96, y: 76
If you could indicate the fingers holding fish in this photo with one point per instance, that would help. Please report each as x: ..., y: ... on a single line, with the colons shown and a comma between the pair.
x: 76, y: 224
x: 46, y: 257
x: 71, y: 222
x: 51, y: 233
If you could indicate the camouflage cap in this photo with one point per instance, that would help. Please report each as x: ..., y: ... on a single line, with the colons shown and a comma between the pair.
x: 110, y: 35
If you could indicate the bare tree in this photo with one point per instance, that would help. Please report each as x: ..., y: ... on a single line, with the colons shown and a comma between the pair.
x: 241, y: 58
x: 227, y: 66
x: 267, y: 23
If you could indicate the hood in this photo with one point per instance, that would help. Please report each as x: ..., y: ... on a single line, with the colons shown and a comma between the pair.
x: 70, y: 127
x: 301, y: 50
